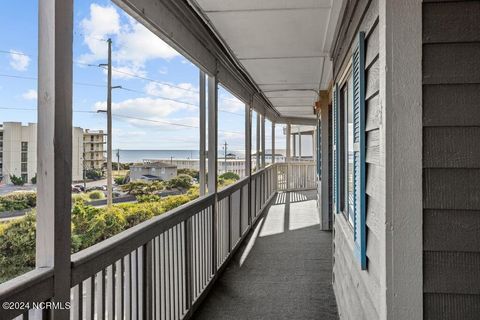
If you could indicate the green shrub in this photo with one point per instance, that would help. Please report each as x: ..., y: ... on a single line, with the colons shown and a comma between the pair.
x: 137, y: 188
x: 79, y: 197
x: 17, y: 247
x: 183, y: 181
x: 191, y: 172
x: 148, y: 198
x: 229, y: 176
x: 90, y: 225
x: 94, y: 174
x: 34, y: 179
x: 96, y: 195
x: 18, y: 181
x: 119, y: 180
x: 18, y: 201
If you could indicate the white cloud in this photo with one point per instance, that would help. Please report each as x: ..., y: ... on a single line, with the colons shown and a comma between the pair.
x: 30, y: 95
x: 133, y: 44
x: 183, y: 91
x: 102, y: 23
x: 18, y: 60
x: 231, y: 104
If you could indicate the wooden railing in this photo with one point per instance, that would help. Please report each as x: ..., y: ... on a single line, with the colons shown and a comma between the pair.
x: 159, y: 269
x: 296, y: 176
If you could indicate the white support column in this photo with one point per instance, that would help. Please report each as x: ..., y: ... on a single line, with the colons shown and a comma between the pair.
x: 203, y: 133
x: 54, y: 146
x: 262, y: 159
x: 294, y: 145
x: 257, y: 157
x: 212, y: 134
x: 248, y: 140
x: 299, y: 143
x: 289, y: 142
x: 273, y: 142
x: 400, y: 84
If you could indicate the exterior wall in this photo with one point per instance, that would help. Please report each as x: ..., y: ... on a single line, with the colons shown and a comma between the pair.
x: 361, y: 294
x: 451, y: 159
x: 13, y: 136
x: 77, y: 154
x: 166, y: 173
x: 94, y: 158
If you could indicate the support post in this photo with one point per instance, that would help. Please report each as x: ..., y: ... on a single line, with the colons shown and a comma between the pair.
x: 212, y: 159
x: 212, y: 134
x: 262, y: 159
x: 299, y: 143
x: 289, y: 141
x: 54, y: 146
x: 202, y: 164
x: 257, y: 158
x: 294, y: 141
x: 273, y: 142
x: 248, y: 140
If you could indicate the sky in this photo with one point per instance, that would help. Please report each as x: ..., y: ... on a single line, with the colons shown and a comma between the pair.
x: 157, y: 106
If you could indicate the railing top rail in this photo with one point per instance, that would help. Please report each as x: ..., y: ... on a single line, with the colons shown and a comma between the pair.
x: 232, y: 188
x: 95, y: 258
x: 33, y: 286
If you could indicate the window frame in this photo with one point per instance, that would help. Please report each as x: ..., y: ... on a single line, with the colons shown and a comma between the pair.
x: 343, y: 86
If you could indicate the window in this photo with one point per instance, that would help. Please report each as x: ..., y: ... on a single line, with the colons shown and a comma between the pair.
x: 24, y: 157
x: 24, y: 146
x: 24, y: 167
x: 346, y: 147
x: 24, y: 177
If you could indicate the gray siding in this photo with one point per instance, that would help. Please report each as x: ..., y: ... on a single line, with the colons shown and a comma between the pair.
x: 451, y: 159
x: 359, y: 293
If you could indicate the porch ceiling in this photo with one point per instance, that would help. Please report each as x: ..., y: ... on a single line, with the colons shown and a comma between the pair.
x: 284, y: 45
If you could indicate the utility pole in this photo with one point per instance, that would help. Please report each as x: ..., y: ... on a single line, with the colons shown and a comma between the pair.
x: 109, y: 123
x: 225, y: 161
x: 109, y: 127
x: 118, y: 161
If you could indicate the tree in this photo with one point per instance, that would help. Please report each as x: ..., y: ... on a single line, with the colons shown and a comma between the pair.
x: 229, y: 176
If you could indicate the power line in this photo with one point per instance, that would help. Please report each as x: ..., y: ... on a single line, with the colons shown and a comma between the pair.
x: 127, y: 117
x: 125, y: 73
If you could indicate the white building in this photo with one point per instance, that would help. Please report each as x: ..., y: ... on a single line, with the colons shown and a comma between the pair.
x: 18, y: 151
x: 230, y: 165
x: 157, y: 170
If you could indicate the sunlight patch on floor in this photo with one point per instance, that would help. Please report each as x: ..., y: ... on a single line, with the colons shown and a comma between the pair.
x: 303, y: 215
x: 274, y: 221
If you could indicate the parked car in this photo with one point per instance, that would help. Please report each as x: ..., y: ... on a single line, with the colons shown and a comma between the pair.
x: 79, y: 186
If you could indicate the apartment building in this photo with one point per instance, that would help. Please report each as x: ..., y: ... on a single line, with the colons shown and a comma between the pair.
x: 93, y: 149
x: 18, y: 151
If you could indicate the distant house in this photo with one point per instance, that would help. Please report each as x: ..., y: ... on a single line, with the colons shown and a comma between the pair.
x: 153, y: 171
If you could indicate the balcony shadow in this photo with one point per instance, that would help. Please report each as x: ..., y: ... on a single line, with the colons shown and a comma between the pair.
x: 284, y: 270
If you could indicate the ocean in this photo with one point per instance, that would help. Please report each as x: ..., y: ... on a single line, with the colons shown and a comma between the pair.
x: 127, y: 156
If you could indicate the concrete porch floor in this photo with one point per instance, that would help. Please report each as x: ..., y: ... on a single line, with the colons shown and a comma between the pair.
x: 284, y: 271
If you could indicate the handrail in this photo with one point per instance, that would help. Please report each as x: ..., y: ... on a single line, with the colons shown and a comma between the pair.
x: 225, y: 192
x: 33, y: 286
x: 167, y: 264
x: 97, y: 257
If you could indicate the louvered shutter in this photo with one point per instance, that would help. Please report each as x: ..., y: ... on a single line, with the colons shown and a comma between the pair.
x: 336, y: 150
x: 359, y: 170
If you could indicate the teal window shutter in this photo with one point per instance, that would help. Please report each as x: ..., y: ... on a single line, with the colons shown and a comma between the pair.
x: 359, y: 171
x: 336, y: 150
